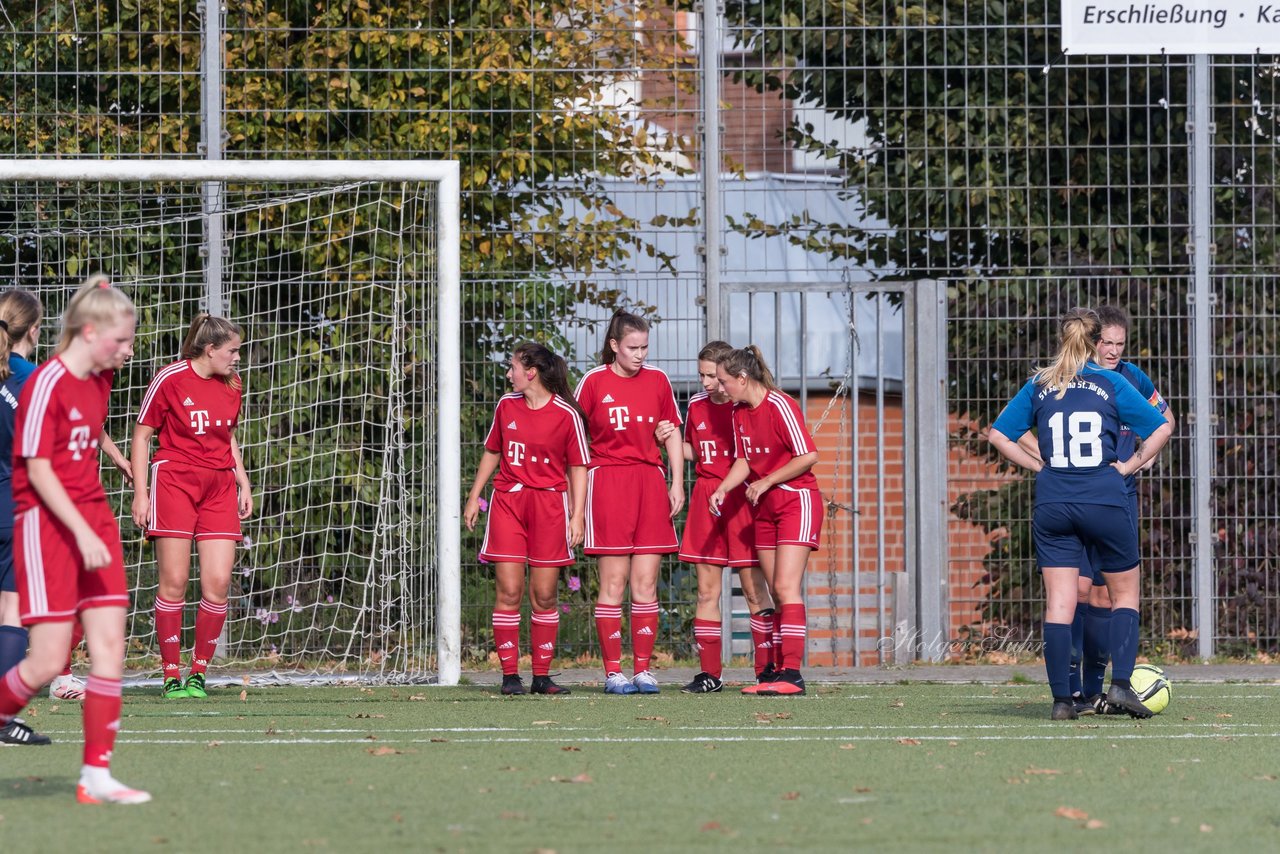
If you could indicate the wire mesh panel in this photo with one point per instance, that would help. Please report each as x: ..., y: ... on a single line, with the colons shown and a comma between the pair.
x: 997, y: 594
x: 335, y: 287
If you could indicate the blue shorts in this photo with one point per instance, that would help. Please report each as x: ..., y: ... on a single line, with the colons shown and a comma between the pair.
x: 1098, y: 536
x: 8, y: 579
x: 1092, y: 559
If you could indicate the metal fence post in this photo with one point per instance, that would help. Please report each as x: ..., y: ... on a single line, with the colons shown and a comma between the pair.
x: 211, y: 142
x: 1201, y: 416
x: 928, y: 348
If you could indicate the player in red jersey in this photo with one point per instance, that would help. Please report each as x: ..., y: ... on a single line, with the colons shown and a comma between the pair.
x: 774, y: 455
x: 66, y: 540
x: 629, y: 505
x: 538, y: 446
x: 712, y: 542
x: 195, y: 488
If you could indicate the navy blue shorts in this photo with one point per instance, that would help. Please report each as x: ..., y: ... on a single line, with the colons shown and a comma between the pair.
x: 8, y: 579
x: 1097, y: 536
x: 1098, y: 579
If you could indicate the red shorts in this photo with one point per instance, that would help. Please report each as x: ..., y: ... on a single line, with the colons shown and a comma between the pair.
x: 723, y: 540
x: 629, y: 512
x: 191, y: 502
x: 528, y: 526
x: 53, y: 585
x: 787, y: 516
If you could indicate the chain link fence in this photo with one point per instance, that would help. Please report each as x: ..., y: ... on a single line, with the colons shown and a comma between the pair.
x: 844, y: 143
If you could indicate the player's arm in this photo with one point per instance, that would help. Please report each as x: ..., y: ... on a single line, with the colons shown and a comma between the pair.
x: 54, y: 496
x: 663, y: 432
x: 1027, y: 441
x: 578, y: 497
x: 117, y: 458
x: 738, y: 474
x: 488, y: 465
x: 244, y: 492
x: 675, y: 462
x: 1013, y: 451
x: 1147, y: 452
x: 794, y: 467
x: 140, y: 459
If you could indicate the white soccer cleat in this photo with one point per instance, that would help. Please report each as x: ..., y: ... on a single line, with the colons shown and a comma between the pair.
x: 67, y: 687
x: 645, y: 683
x: 110, y: 792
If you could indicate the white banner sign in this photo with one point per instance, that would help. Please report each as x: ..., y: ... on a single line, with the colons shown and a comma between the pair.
x: 1171, y: 26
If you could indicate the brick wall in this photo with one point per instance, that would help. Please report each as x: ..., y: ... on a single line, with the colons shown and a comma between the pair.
x: 851, y: 544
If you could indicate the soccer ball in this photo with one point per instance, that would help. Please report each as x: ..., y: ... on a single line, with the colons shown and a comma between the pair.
x: 1152, y: 687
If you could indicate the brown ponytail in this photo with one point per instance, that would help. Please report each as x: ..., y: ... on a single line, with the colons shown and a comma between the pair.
x: 749, y: 362
x: 19, y: 312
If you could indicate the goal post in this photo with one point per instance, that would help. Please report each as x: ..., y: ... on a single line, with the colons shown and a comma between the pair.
x: 349, y: 273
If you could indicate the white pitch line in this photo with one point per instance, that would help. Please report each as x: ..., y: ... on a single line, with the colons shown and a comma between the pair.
x: 898, y: 730
x: 694, y: 740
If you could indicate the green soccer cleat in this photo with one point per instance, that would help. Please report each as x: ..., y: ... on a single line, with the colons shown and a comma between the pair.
x: 195, y: 686
x: 173, y: 690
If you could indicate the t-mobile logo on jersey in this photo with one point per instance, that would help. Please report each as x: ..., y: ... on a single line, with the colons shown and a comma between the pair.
x: 516, y: 453
x: 618, y: 417
x: 79, y: 442
x: 708, y: 450
x: 746, y: 445
x: 199, y: 420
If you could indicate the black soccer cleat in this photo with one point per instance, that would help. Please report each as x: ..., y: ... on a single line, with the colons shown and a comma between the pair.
x: 703, y: 683
x: 18, y: 733
x: 512, y: 685
x: 1063, y: 710
x: 788, y: 683
x: 544, y: 685
x: 1124, y: 699
x: 769, y: 674
x: 1086, y: 705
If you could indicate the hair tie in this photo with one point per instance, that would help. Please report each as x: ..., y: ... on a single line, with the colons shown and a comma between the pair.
x: 4, y: 325
x: 104, y: 283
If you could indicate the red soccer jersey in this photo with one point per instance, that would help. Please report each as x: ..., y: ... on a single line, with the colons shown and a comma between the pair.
x: 768, y: 436
x: 193, y: 416
x: 536, y: 446
x: 60, y: 419
x: 622, y: 413
x: 708, y: 428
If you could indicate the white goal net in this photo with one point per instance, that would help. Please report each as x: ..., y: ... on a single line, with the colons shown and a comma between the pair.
x: 344, y: 276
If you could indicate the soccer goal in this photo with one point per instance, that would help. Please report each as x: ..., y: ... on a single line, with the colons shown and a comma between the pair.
x: 345, y: 278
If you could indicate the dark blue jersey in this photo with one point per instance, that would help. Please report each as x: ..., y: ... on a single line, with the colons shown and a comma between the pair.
x: 1128, y: 443
x: 20, y: 370
x: 1079, y: 435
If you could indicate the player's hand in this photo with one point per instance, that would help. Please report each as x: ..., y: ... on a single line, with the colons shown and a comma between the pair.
x: 717, y: 498
x: 756, y: 490
x: 93, y: 551
x: 141, y: 509
x: 663, y: 431
x: 471, y: 513
x: 676, y: 494
x: 244, y: 500
x: 577, y: 531
x: 125, y: 471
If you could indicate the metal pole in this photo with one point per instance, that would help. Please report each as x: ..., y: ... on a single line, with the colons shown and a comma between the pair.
x: 930, y: 430
x: 211, y: 141
x: 712, y: 212
x: 1202, y: 299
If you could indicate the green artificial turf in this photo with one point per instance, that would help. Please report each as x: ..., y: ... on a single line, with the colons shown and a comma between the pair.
x: 920, y: 767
